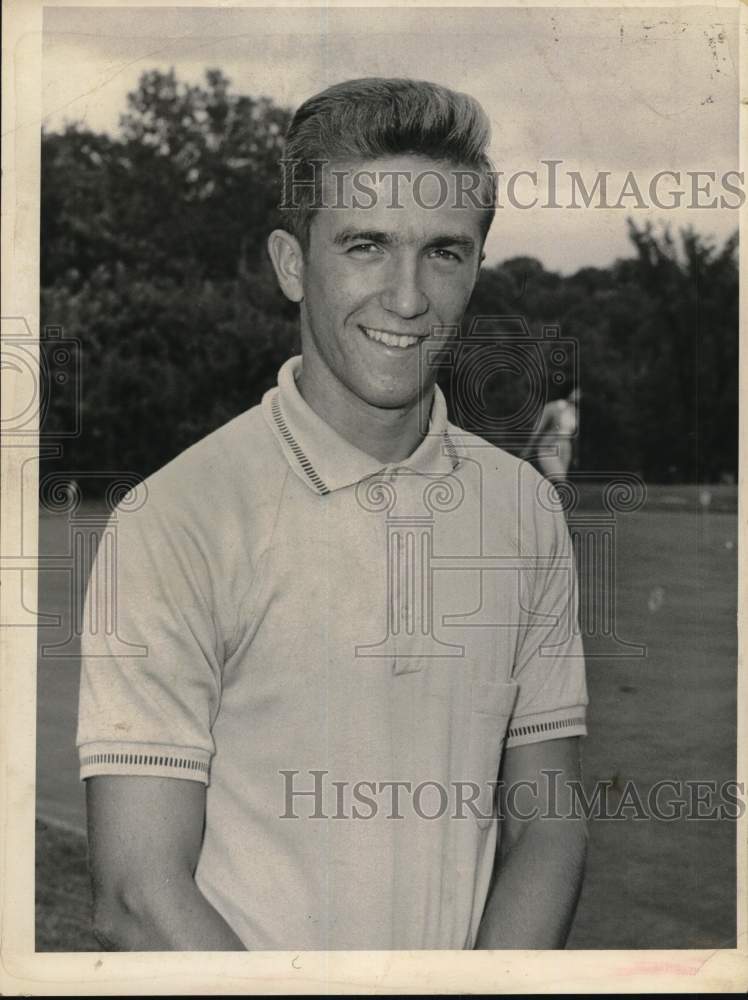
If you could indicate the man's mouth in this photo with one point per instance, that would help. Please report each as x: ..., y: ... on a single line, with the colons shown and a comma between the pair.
x: 390, y: 339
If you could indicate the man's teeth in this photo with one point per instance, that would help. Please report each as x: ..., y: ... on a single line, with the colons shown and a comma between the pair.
x: 390, y: 339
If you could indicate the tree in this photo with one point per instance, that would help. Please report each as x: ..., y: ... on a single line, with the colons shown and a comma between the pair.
x: 79, y: 217
x: 153, y: 258
x: 211, y: 159
x: 163, y: 365
x: 188, y: 190
x: 688, y: 350
x: 656, y: 339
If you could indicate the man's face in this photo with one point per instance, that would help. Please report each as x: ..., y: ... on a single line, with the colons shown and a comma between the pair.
x: 378, y: 279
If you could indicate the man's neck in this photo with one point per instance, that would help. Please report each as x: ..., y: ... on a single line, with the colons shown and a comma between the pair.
x: 390, y: 435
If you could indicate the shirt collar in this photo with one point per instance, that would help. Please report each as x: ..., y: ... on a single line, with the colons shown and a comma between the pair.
x: 324, y: 460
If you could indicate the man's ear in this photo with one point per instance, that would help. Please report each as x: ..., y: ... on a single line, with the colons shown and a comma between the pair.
x: 288, y: 263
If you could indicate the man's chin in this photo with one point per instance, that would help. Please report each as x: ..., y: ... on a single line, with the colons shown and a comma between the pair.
x: 389, y: 397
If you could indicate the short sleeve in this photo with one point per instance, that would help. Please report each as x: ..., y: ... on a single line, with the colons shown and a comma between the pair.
x: 549, y: 666
x: 150, y: 650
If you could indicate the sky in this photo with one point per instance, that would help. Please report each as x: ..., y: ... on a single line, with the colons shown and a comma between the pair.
x: 600, y: 89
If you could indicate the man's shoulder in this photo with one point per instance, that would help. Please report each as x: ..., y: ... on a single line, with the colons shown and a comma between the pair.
x: 512, y: 486
x: 234, y: 466
x: 505, y: 467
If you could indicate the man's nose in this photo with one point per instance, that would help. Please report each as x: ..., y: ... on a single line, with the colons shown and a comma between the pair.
x: 404, y: 294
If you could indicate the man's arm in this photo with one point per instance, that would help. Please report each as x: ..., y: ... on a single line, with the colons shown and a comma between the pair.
x: 546, y: 419
x: 539, y: 864
x: 144, y: 841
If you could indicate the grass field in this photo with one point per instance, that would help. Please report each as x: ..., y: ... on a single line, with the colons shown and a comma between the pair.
x: 670, y: 714
x: 63, y: 905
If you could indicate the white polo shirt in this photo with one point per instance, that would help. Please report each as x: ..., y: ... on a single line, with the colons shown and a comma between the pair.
x: 315, y: 622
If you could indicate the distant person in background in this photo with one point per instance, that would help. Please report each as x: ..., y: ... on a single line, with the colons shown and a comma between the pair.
x: 552, y: 439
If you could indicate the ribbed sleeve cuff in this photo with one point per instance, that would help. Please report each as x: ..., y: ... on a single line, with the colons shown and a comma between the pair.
x: 154, y: 760
x: 546, y: 726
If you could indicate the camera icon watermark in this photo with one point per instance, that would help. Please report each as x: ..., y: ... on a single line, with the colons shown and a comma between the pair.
x: 47, y: 382
x: 499, y: 376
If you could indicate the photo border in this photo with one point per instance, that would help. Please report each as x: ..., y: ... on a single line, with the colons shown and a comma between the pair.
x: 187, y: 973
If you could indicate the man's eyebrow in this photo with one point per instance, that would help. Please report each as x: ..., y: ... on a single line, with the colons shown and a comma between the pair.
x: 362, y: 236
x: 465, y: 243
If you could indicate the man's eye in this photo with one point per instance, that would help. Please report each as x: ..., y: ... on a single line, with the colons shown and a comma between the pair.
x: 442, y: 254
x: 364, y: 248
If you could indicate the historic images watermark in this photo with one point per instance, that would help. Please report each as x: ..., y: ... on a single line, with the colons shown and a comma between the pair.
x: 50, y: 369
x: 318, y: 183
x: 313, y: 794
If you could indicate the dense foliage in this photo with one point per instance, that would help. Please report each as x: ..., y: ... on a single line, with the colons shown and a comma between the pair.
x: 153, y: 260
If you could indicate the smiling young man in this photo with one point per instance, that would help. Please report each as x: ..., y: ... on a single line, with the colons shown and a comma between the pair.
x: 352, y: 616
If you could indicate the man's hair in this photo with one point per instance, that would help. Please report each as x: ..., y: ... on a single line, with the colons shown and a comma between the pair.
x: 376, y: 117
